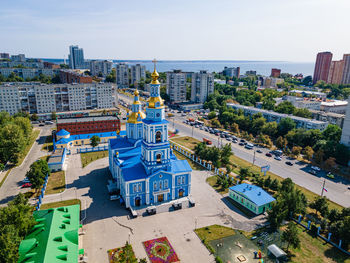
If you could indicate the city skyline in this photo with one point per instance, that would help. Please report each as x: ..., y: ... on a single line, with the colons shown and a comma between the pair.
x: 268, y: 31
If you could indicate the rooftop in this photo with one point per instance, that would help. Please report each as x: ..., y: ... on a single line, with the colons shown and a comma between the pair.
x: 254, y: 193
x: 88, y: 119
x: 54, y: 238
x: 88, y: 136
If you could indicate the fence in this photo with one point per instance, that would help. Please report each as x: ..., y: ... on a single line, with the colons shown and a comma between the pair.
x: 41, y: 196
x: 194, y: 158
x: 328, y: 239
x: 92, y: 149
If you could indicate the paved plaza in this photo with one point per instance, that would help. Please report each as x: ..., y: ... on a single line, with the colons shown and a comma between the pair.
x: 108, y: 225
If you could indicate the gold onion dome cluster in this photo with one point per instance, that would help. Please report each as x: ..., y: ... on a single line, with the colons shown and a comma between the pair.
x: 153, y: 100
x: 133, y: 117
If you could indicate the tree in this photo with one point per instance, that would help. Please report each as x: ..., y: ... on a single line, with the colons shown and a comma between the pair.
x: 94, y: 141
x: 274, y: 185
x: 225, y: 154
x: 9, y: 243
x: 212, y: 115
x: 12, y: 143
x: 308, y: 153
x: 270, y: 128
x: 285, y: 125
x: 215, y: 123
x: 276, y: 214
x: 2, y: 167
x: 330, y: 163
x: 320, y: 204
x: 34, y: 117
x: 319, y: 155
x: 333, y: 215
x: 235, y: 128
x: 285, y: 107
x: 281, y: 142
x: 267, y: 182
x: 243, y: 173
x: 290, y: 235
x: 296, y: 150
x: 53, y: 115
x: 332, y: 133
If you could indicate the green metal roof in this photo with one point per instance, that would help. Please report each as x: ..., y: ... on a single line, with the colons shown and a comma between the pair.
x: 54, y: 238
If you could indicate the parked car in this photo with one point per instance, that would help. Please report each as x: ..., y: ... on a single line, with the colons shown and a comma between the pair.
x: 217, y: 134
x: 241, y: 144
x: 228, y: 139
x: 330, y: 175
x: 114, y: 197
x: 278, y: 158
x: 26, y: 180
x: 234, y: 141
x: 268, y: 154
x: 317, y: 169
x: 311, y: 171
x: 242, y: 140
x: 289, y: 163
x: 259, y: 151
x: 26, y: 185
x: 41, y: 124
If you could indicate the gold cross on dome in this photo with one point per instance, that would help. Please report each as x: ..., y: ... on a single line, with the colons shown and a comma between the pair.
x: 154, y: 61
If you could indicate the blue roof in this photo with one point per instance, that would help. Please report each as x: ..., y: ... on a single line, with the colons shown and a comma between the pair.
x: 122, y: 142
x: 180, y: 166
x: 154, y: 122
x: 85, y: 136
x: 254, y: 193
x: 62, y: 132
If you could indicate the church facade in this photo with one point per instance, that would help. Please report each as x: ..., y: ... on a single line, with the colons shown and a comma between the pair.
x: 142, y: 163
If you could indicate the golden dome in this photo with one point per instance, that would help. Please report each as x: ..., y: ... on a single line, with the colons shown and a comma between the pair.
x: 136, y: 92
x: 133, y: 117
x: 155, y: 74
x: 153, y: 100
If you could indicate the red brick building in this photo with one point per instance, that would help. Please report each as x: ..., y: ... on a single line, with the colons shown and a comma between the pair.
x: 275, y: 72
x: 69, y: 76
x: 89, y: 124
x: 322, y: 66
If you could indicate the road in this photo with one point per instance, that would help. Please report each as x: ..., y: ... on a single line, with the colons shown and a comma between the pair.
x: 11, y: 186
x: 337, y: 189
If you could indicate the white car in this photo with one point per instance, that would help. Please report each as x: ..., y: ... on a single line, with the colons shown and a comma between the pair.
x: 114, y: 197
x: 278, y: 158
x: 316, y: 168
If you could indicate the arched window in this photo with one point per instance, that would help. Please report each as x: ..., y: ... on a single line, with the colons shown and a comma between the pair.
x: 159, y: 158
x: 158, y: 136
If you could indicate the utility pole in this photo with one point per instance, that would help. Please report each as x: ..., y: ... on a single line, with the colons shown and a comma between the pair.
x: 254, y: 158
x: 324, y: 182
x: 192, y: 130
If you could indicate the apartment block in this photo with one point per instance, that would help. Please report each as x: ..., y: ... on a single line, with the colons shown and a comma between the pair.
x: 19, y: 58
x: 42, y: 98
x: 275, y: 72
x: 277, y: 117
x: 76, y: 58
x: 176, y: 86
x: 100, y: 67
x: 202, y: 86
x: 231, y: 72
x: 330, y: 117
x: 5, y: 55
x: 138, y: 72
x: 345, y: 136
x: 27, y: 73
x: 335, y: 74
x: 323, y: 63
x: 346, y: 69
x: 70, y: 76
x: 122, y: 75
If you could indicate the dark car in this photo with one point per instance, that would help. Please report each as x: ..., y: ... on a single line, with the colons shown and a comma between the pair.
x: 268, y: 154
x: 241, y: 144
x: 242, y: 140
x: 41, y: 124
x: 311, y: 171
x: 289, y: 163
x: 259, y: 151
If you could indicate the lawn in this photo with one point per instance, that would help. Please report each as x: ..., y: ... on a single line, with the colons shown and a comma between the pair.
x: 61, y: 203
x: 214, y: 232
x: 23, y: 155
x: 3, y: 179
x: 186, y: 141
x: 212, y: 181
x: 56, y: 183
x: 87, y: 158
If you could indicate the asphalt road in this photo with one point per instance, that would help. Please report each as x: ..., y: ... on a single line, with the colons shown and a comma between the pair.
x: 13, y: 182
x: 337, y: 189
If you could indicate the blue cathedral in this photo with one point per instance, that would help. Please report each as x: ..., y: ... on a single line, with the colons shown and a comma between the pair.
x: 142, y: 163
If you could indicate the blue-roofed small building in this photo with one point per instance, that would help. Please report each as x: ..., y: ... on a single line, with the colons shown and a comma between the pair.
x: 252, y: 197
x: 143, y: 165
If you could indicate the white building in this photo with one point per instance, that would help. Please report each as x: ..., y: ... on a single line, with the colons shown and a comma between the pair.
x: 138, y: 73
x: 176, y: 86
x: 27, y: 73
x: 18, y: 58
x: 122, y: 75
x: 103, y: 67
x: 345, y: 136
x: 277, y: 117
x: 42, y: 98
x: 270, y: 82
x: 336, y: 106
x: 202, y: 86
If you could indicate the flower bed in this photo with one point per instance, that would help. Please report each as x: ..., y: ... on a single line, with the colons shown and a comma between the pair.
x: 159, y: 250
x: 125, y: 253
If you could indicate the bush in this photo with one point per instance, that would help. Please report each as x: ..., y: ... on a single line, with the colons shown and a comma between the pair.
x: 218, y: 259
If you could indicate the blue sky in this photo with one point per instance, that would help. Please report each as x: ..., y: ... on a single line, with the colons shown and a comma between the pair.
x: 292, y: 30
